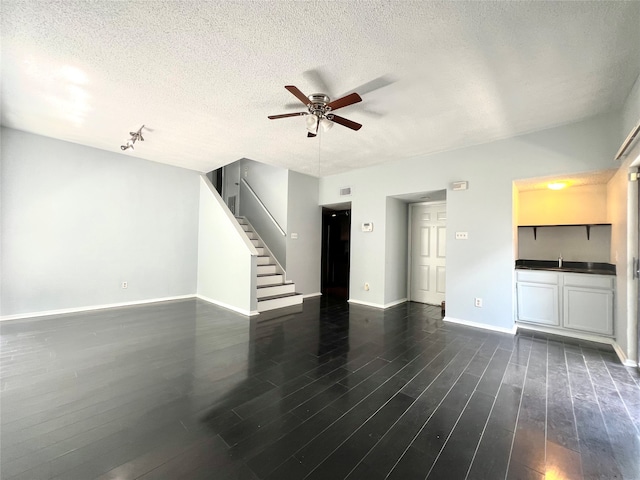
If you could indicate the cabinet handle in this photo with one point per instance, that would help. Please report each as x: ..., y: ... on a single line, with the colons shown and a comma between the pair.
x: 636, y: 267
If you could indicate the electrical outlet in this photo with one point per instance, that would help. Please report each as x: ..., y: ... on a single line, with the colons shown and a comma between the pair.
x: 124, y: 285
x: 462, y: 235
x: 478, y: 302
x: 366, y: 287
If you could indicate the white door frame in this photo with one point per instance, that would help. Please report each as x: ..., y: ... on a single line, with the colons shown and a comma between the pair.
x: 409, y: 237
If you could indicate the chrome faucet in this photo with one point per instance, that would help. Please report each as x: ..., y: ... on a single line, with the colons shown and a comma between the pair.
x: 560, y: 261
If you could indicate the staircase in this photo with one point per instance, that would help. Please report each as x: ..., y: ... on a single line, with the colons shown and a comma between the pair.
x: 273, y: 291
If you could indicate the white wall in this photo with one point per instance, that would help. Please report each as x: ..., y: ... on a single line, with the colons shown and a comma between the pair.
x: 305, y: 219
x: 396, y: 246
x: 569, y: 241
x: 481, y: 266
x: 226, y: 257
x: 77, y: 221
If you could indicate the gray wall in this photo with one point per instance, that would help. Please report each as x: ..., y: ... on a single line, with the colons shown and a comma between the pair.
x: 231, y: 184
x: 569, y: 241
x: 270, y: 183
x: 305, y: 219
x: 481, y: 266
x: 77, y: 221
x: 396, y: 245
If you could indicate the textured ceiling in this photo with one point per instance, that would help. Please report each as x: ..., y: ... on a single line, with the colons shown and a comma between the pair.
x: 592, y: 178
x: 203, y: 76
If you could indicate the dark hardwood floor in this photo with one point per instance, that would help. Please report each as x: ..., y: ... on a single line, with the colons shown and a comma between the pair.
x: 186, y: 390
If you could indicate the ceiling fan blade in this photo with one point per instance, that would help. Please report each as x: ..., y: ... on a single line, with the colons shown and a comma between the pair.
x: 285, y: 115
x: 345, y: 101
x: 298, y: 94
x: 346, y: 122
x: 311, y: 135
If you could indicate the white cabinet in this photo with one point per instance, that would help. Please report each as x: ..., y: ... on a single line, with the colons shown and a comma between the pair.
x: 581, y: 302
x: 588, y: 303
x: 538, y: 298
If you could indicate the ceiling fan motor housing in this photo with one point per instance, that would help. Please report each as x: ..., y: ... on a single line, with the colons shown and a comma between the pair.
x: 320, y: 98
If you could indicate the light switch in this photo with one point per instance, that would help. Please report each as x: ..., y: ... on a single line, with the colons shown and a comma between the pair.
x: 294, y: 236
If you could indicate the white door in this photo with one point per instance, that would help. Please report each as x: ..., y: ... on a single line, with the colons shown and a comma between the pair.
x: 428, y: 255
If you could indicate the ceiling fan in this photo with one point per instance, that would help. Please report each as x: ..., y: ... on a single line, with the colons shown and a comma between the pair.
x: 320, y: 110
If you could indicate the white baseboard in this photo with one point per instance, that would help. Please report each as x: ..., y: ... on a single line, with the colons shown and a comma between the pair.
x: 378, y: 305
x: 510, y: 331
x: 395, y: 302
x: 311, y: 295
x: 63, y: 311
x: 627, y: 362
x: 248, y: 313
x: 366, y: 304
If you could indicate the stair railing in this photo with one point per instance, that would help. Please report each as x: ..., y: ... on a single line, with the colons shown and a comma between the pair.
x: 264, y: 207
x: 263, y: 222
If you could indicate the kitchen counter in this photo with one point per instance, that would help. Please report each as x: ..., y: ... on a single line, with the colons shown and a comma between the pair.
x: 595, y: 268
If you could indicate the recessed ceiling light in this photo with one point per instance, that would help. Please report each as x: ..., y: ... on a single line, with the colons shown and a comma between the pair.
x: 557, y: 185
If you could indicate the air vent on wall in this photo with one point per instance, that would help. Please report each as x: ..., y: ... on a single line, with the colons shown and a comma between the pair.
x: 345, y: 191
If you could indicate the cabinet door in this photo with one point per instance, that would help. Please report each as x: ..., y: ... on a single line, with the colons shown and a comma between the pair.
x: 538, y: 303
x: 589, y: 310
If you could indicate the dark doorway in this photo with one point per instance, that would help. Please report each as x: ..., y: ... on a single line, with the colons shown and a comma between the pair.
x: 216, y: 178
x: 336, y: 251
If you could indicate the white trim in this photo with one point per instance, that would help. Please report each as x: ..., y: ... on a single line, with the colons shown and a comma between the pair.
x: 510, y: 331
x: 248, y: 313
x: 366, y: 304
x: 377, y: 305
x: 63, y: 311
x: 311, y: 295
x: 622, y: 356
x: 395, y: 302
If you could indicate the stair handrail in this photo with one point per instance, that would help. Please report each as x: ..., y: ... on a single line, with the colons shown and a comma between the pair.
x: 264, y: 207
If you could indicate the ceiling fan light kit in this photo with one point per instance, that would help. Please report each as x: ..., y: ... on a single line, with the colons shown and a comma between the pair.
x: 319, y: 111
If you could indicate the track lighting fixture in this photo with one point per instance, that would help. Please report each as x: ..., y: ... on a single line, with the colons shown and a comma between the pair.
x: 135, y: 136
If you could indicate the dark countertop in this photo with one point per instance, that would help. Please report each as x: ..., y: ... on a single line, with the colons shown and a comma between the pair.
x: 596, y: 268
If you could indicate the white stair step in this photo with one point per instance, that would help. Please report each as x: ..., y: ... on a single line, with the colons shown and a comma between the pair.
x: 264, y: 269
x: 242, y: 220
x: 261, y: 250
x: 279, y: 315
x: 256, y: 243
x: 263, y: 280
x: 271, y: 303
x: 264, y: 260
x: 245, y: 227
x: 251, y: 235
x: 276, y: 290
